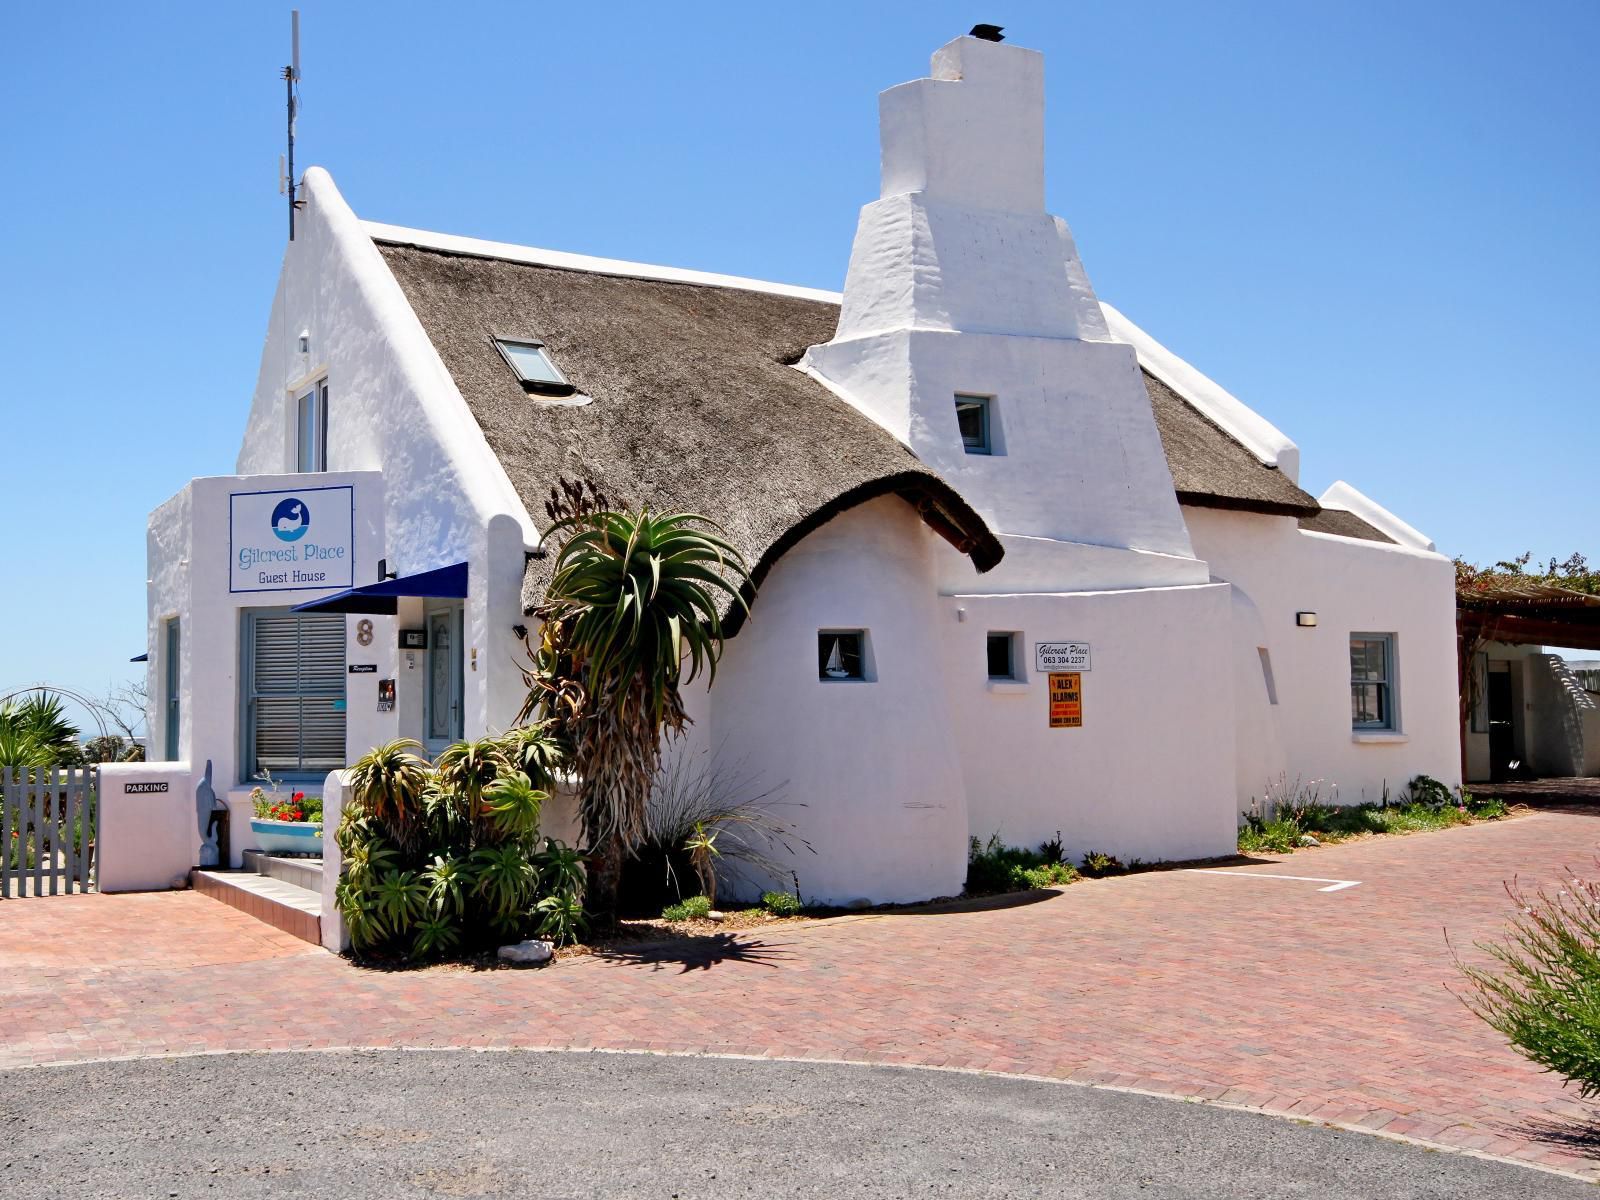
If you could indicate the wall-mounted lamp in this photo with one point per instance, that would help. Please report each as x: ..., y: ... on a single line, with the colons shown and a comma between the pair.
x: 1306, y: 620
x: 305, y: 341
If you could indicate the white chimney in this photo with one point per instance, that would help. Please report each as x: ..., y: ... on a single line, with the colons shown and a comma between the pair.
x: 961, y: 284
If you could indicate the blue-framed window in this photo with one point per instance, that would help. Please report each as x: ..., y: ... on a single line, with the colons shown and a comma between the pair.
x: 293, y: 693
x: 173, y: 672
x: 1373, y: 704
x: 975, y: 421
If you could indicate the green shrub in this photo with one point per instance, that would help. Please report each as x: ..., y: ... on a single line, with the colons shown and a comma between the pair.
x: 1049, y: 875
x: 781, y: 904
x: 1292, y: 812
x: 1545, y: 995
x: 1097, y: 864
x: 685, y: 910
x: 447, y: 857
x: 994, y: 867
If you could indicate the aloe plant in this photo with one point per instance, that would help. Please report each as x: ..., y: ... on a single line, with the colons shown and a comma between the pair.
x: 511, y: 806
x: 561, y: 918
x: 505, y: 879
x: 387, y: 784
x: 630, y: 616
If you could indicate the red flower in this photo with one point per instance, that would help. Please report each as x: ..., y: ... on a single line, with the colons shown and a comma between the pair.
x: 297, y: 797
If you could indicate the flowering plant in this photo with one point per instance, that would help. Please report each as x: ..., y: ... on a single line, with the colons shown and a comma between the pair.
x: 299, y: 807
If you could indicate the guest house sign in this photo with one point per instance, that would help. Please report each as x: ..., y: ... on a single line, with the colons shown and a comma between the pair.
x: 291, y: 541
x: 1060, y: 656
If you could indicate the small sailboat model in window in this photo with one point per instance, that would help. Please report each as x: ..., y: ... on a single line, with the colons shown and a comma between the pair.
x: 835, y: 668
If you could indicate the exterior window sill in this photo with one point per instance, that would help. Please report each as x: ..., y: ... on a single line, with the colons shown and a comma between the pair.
x: 1379, y: 737
x: 1009, y: 686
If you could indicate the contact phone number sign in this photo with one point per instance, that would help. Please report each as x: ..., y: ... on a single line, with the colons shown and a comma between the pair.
x: 1060, y: 656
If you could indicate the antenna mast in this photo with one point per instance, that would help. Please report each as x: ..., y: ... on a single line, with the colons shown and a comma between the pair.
x: 291, y: 80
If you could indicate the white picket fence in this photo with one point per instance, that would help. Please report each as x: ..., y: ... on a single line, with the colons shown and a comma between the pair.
x: 47, y: 829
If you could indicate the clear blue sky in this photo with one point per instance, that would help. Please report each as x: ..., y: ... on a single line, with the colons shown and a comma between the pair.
x: 1374, y: 222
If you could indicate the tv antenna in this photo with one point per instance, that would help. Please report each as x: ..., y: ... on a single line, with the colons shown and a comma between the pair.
x: 291, y: 82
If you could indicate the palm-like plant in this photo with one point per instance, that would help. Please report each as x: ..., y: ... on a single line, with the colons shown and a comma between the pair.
x: 35, y: 732
x: 631, y: 615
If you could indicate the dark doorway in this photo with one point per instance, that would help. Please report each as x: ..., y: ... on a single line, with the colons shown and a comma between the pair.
x: 1502, y: 726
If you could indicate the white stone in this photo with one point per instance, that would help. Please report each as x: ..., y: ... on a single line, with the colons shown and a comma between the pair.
x: 532, y: 951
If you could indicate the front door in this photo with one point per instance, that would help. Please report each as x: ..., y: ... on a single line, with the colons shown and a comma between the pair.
x: 1502, y: 726
x: 444, y: 678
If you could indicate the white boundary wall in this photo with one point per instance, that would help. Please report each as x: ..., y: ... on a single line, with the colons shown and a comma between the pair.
x: 146, y: 841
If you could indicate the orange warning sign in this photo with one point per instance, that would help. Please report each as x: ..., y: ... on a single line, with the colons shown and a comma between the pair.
x: 1066, y: 700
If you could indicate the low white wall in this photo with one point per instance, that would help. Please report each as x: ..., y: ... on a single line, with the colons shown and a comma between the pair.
x: 147, y: 841
x: 335, y: 933
x: 1150, y: 774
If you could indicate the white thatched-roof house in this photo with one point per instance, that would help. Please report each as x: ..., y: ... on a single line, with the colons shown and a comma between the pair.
x: 1021, y: 568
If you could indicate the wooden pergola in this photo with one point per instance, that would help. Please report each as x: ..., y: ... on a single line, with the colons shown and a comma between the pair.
x: 1517, y: 614
x: 1527, y: 614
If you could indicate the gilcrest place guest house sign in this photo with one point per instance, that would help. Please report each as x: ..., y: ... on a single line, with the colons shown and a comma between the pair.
x: 291, y: 541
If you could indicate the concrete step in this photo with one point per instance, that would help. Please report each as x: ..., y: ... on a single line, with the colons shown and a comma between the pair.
x: 302, y: 872
x: 295, y: 910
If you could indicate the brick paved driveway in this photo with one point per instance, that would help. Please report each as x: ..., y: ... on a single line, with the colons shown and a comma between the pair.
x: 1267, y: 993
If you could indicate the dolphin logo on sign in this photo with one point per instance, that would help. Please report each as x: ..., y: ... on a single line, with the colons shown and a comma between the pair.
x: 290, y: 520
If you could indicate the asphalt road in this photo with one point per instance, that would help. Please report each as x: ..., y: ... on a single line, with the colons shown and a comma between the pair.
x: 394, y: 1124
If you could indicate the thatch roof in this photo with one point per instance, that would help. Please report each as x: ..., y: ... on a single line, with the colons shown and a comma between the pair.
x: 1211, y: 469
x: 694, y: 404
x: 1344, y: 524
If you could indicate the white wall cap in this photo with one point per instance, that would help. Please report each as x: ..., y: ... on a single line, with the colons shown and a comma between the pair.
x: 478, y: 248
x: 1248, y: 427
x: 1343, y: 496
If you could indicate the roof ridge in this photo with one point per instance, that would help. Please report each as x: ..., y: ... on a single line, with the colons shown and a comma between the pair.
x: 449, y: 243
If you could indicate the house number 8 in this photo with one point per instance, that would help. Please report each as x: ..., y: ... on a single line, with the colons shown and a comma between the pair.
x: 364, y: 632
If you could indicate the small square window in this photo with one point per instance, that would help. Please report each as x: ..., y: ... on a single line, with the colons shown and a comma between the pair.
x: 1372, y: 681
x: 841, y: 654
x: 535, y: 370
x: 972, y: 417
x: 1003, y: 656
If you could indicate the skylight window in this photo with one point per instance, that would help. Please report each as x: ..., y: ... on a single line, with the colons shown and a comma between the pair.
x: 532, y: 363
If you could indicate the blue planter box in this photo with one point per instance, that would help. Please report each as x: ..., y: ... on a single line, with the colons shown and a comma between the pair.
x: 287, y: 837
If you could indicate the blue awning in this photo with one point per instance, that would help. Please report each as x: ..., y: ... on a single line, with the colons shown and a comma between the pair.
x: 445, y: 583
x: 145, y: 657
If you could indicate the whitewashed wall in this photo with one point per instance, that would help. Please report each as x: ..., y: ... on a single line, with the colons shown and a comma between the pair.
x: 873, y: 762
x: 189, y: 552
x: 146, y: 841
x: 1352, y: 586
x: 1151, y: 773
x: 394, y: 407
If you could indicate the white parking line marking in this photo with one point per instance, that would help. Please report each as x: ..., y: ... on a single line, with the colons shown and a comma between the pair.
x: 1335, y: 885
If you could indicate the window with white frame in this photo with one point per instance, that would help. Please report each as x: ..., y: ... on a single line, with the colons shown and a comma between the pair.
x: 1372, y: 682
x: 975, y: 420
x: 311, y: 428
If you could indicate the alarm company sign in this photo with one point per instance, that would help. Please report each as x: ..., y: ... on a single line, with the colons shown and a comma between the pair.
x: 300, y: 540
